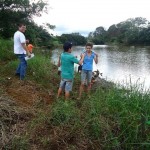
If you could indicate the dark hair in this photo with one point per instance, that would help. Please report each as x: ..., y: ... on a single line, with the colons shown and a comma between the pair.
x: 21, y: 24
x: 89, y: 44
x: 67, y: 46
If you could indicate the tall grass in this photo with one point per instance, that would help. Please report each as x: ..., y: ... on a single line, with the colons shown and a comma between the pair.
x: 39, y: 69
x: 6, y: 50
x: 110, y: 119
x: 126, y: 115
x: 113, y: 118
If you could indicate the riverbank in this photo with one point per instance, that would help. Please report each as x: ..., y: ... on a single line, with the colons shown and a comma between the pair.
x: 111, y: 118
x: 32, y: 118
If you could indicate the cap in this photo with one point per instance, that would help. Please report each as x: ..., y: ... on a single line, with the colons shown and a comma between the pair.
x: 67, y: 45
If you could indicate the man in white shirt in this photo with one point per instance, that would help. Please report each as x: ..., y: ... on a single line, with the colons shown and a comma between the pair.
x: 20, y: 49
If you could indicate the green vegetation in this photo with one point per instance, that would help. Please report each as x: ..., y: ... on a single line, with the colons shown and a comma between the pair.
x: 14, y: 11
x: 133, y: 31
x: 75, y: 38
x: 112, y: 118
x: 6, y: 50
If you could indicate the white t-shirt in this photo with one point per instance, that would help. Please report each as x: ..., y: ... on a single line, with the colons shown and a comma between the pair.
x: 19, y: 38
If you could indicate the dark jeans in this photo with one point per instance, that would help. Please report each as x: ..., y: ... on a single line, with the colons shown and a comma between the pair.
x: 22, y: 66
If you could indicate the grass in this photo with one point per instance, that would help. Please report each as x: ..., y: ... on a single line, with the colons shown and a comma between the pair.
x: 6, y: 50
x: 112, y: 118
x: 109, y: 120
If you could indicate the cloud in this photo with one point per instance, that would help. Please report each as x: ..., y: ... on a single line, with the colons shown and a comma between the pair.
x: 85, y: 16
x: 66, y: 30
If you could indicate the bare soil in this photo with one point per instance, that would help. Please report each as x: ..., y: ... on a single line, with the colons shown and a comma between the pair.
x: 27, y: 93
x: 18, y: 101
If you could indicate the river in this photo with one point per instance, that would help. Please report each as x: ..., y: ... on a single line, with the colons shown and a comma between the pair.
x: 124, y: 65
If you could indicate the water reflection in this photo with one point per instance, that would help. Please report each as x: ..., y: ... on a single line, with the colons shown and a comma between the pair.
x: 119, y: 64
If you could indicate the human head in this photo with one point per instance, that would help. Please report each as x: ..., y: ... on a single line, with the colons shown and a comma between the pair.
x: 67, y: 46
x: 22, y: 27
x: 89, y: 46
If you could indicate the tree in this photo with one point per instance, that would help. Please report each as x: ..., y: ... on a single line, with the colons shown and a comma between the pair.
x: 75, y: 38
x: 129, y: 31
x: 98, y: 36
x: 144, y: 36
x: 14, y: 11
x: 100, y: 31
x: 37, y: 34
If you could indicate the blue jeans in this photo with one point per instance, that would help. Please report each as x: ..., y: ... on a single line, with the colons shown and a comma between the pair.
x: 86, y: 75
x: 66, y: 84
x: 22, y: 66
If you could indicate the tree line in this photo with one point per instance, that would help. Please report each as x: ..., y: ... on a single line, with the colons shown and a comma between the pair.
x: 13, y: 12
x: 131, y: 31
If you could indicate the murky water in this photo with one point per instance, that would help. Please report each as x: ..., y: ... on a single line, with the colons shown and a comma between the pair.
x: 124, y: 65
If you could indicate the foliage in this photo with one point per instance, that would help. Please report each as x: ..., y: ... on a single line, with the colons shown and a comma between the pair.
x: 99, y: 36
x: 132, y: 31
x: 75, y: 38
x: 38, y: 35
x: 15, y: 11
x: 112, y: 117
x: 6, y: 50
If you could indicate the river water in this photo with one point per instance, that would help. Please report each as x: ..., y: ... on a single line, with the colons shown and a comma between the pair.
x: 123, y: 65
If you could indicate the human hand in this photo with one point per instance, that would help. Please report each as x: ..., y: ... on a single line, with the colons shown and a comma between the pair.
x: 28, y: 54
x: 82, y: 55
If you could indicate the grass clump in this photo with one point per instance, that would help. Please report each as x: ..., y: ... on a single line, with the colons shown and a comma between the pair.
x: 63, y: 113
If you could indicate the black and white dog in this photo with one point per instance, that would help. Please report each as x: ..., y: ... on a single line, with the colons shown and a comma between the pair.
x: 80, y: 68
x: 95, y: 75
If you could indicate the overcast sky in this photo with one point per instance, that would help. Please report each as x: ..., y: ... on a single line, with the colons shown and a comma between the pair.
x: 84, y: 16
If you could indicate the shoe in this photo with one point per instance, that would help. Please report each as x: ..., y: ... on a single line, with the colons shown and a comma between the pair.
x: 17, y: 74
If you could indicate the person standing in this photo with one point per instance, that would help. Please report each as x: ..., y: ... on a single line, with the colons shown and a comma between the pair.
x: 66, y: 62
x: 20, y: 49
x: 87, y: 68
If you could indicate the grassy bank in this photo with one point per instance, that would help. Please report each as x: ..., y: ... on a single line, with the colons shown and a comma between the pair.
x: 112, y: 118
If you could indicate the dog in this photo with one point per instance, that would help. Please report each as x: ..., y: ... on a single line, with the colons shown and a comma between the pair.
x: 79, y: 68
x: 95, y: 75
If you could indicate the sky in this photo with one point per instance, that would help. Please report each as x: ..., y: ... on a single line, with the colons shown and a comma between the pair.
x: 84, y: 16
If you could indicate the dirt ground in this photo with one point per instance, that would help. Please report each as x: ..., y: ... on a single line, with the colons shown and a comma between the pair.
x: 27, y: 93
x: 17, y: 102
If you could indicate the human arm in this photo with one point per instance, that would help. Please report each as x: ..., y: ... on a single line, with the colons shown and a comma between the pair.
x: 23, y: 43
x: 58, y: 64
x: 26, y: 49
x: 96, y: 58
x: 75, y: 60
x: 82, y: 58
